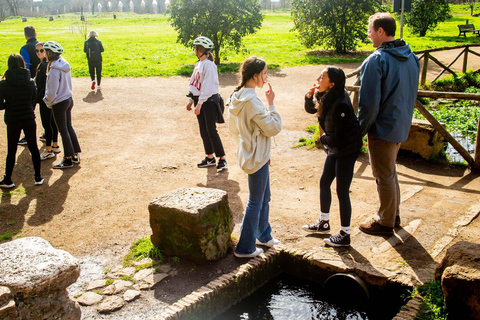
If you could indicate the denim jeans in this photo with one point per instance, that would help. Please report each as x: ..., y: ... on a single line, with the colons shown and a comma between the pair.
x: 255, y: 223
x: 62, y: 114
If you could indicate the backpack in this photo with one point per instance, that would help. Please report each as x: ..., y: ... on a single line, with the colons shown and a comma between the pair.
x: 93, y: 50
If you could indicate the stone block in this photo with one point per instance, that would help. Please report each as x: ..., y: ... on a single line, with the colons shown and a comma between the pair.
x: 192, y: 223
x: 423, y: 140
x: 460, y: 275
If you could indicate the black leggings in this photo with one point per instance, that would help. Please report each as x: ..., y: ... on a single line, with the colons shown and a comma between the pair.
x: 342, y: 169
x: 51, y: 131
x: 207, y: 122
x: 95, y: 65
x: 13, y: 134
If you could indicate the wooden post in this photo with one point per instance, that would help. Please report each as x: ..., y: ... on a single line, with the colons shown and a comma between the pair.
x: 476, y: 163
x: 465, y: 60
x: 425, y: 68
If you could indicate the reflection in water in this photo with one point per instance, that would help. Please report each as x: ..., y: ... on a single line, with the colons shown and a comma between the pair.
x: 466, y: 142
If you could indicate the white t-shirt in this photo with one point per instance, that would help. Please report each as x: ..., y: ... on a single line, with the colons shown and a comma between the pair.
x: 204, y: 80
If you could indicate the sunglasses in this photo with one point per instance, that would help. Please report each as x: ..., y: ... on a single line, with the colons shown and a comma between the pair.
x: 41, y: 50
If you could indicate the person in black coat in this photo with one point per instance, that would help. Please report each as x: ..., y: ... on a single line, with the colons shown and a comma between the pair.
x: 17, y: 98
x: 94, y: 48
x: 342, y: 141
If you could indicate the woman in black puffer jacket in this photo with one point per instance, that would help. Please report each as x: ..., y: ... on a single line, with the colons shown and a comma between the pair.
x: 342, y: 140
x: 17, y: 98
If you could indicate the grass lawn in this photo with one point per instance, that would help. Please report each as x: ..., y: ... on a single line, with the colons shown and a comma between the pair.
x: 145, y: 45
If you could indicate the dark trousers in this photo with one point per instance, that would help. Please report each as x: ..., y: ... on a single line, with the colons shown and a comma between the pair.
x: 29, y: 127
x: 51, y: 131
x: 62, y: 113
x: 342, y: 169
x: 95, y: 65
x: 207, y: 122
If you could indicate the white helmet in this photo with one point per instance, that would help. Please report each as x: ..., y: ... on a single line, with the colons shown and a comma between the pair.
x: 204, y: 42
x: 54, y: 46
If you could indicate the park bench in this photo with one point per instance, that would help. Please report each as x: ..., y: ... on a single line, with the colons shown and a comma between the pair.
x: 464, y: 28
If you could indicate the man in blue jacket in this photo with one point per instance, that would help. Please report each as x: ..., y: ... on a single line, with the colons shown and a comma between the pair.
x: 389, y: 78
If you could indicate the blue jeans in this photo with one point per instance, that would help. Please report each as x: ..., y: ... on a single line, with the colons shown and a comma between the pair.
x: 255, y: 223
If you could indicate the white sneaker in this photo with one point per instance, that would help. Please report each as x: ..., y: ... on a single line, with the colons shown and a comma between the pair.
x: 47, y: 155
x: 99, y: 88
x: 56, y: 149
x: 272, y: 242
x: 255, y: 253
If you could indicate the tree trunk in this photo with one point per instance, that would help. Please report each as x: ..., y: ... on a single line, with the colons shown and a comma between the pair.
x: 13, y: 9
x: 217, y: 56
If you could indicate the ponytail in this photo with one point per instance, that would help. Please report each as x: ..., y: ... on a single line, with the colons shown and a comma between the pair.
x: 250, y: 67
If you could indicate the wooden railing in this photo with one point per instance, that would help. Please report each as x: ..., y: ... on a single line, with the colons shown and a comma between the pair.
x: 473, y: 162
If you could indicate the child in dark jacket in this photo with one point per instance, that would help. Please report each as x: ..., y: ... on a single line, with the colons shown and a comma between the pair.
x: 17, y: 98
x: 342, y: 142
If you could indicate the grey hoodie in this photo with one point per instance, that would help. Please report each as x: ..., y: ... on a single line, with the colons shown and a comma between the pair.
x: 252, y: 125
x: 59, y: 83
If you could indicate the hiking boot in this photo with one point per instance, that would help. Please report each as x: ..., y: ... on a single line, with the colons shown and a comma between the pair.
x: 255, y: 253
x: 42, y: 137
x: 222, y: 164
x: 321, y: 226
x: 270, y: 243
x: 207, y: 162
x: 47, y: 155
x: 56, y: 149
x: 397, y: 222
x: 376, y: 229
x: 93, y: 85
x: 64, y: 164
x: 38, y: 181
x: 338, y: 240
x: 23, y: 141
x: 6, y: 184
x: 76, y: 158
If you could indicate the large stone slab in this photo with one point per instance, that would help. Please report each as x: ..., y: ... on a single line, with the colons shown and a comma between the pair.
x: 193, y: 223
x: 38, y: 275
x: 423, y: 140
x: 460, y: 275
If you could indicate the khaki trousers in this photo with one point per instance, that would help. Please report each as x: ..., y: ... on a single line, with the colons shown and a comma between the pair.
x: 383, y: 156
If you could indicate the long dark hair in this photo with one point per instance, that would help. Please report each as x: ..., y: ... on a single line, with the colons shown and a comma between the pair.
x: 205, y: 51
x: 51, y: 56
x: 326, y: 100
x: 15, y: 61
x: 250, y: 67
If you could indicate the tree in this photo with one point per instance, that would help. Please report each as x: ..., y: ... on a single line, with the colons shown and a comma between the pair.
x: 426, y: 14
x: 225, y: 22
x: 471, y: 4
x: 333, y: 24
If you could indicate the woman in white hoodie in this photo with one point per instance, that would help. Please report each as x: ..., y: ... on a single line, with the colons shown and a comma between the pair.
x: 253, y: 125
x: 58, y: 97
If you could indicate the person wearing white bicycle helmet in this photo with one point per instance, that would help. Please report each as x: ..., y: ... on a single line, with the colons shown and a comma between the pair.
x: 58, y: 97
x: 203, y: 94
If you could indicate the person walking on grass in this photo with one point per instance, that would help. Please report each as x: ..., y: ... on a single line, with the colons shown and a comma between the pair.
x: 203, y: 94
x: 389, y: 78
x: 253, y: 125
x: 51, y: 132
x: 93, y: 48
x: 17, y: 97
x: 58, y: 97
x: 342, y: 142
x: 30, y: 58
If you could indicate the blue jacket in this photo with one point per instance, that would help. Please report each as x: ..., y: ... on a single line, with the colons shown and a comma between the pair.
x: 389, y: 78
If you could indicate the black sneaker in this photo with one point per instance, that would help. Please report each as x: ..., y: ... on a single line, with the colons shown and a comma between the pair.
x: 207, y: 162
x: 64, y: 164
x: 23, y: 141
x: 42, y: 137
x: 339, y: 240
x: 321, y: 226
x: 6, y: 184
x: 38, y: 181
x: 76, y: 158
x: 222, y: 164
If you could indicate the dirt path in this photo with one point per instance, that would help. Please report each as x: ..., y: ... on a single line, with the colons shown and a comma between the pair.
x: 139, y: 142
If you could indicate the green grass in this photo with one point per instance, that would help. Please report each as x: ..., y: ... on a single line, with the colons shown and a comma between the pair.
x: 433, y: 307
x: 142, y: 248
x: 145, y: 45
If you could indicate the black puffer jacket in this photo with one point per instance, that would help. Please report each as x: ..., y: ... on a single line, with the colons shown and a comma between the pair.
x: 41, y: 80
x: 342, y: 130
x: 17, y: 95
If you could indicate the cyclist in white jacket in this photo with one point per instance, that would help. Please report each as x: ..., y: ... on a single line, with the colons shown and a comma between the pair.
x: 253, y: 125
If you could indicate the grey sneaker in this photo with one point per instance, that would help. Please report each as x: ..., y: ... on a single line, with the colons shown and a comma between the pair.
x: 23, y: 141
x: 42, y: 137
x: 6, y: 184
x: 56, y: 149
x: 47, y: 155
x: 321, y: 226
x: 338, y: 240
x: 64, y: 164
x: 76, y: 158
x: 38, y: 181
